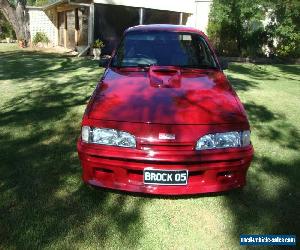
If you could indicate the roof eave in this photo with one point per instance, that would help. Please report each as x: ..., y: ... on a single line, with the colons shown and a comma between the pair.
x: 52, y: 5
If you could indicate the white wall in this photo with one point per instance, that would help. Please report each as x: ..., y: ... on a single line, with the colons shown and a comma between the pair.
x: 42, y: 22
x: 186, y: 6
x: 199, y: 19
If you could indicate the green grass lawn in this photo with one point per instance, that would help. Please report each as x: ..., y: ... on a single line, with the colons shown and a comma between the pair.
x: 44, y: 204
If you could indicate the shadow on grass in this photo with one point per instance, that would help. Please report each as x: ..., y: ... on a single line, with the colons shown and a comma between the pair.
x: 289, y: 69
x: 269, y: 204
x: 33, y: 64
x: 260, y: 72
x: 43, y: 201
x: 260, y: 113
x: 240, y: 84
x: 269, y: 125
x: 263, y: 209
x: 254, y: 71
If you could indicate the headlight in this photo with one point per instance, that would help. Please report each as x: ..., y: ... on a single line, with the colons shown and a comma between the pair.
x: 106, y: 136
x: 224, y: 140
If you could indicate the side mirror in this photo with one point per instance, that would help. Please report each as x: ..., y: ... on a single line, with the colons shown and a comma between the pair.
x: 104, y: 61
x: 223, y: 63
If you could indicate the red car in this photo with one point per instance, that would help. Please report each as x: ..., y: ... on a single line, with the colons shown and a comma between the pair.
x: 164, y: 119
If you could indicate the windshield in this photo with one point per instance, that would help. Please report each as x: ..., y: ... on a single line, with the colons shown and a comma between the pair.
x: 163, y: 49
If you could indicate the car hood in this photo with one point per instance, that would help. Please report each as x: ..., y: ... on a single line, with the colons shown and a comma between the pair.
x: 166, y: 95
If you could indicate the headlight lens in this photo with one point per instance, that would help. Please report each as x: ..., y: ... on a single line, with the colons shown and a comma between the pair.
x: 224, y: 140
x: 106, y: 136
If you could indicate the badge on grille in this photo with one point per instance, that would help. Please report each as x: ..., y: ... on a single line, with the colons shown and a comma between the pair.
x: 165, y: 136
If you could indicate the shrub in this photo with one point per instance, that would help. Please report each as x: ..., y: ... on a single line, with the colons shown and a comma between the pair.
x: 244, y: 28
x: 236, y: 27
x: 98, y: 44
x: 6, y: 29
x: 40, y: 37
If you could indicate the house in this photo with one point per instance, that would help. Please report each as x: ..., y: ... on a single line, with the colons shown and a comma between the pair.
x: 77, y: 23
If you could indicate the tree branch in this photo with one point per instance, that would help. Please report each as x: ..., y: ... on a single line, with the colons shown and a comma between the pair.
x: 16, y: 16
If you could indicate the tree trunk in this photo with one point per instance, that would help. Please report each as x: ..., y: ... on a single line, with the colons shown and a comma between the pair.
x: 237, y: 24
x: 17, y: 17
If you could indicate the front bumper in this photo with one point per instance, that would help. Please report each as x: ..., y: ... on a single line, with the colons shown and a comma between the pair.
x: 122, y: 169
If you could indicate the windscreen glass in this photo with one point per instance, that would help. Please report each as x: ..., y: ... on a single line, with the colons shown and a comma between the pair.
x: 163, y: 49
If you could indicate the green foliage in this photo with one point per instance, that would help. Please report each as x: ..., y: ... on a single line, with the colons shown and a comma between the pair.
x: 242, y: 28
x: 32, y: 2
x: 235, y: 27
x: 98, y: 44
x: 42, y: 2
x: 40, y: 37
x: 6, y: 29
x: 284, y: 27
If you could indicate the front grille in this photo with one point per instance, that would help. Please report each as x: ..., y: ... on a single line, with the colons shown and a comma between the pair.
x: 167, y: 146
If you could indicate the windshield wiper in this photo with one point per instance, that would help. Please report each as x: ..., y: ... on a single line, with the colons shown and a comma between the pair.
x: 145, y: 65
x: 140, y: 65
x: 198, y: 66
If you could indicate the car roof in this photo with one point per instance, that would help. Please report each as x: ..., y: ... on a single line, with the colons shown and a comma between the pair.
x: 164, y: 27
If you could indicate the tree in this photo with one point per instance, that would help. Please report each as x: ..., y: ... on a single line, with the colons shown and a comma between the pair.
x: 235, y: 26
x: 244, y: 28
x: 284, y: 27
x: 5, y: 28
x: 16, y: 14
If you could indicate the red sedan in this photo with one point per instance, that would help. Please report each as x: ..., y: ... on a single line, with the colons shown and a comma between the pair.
x: 164, y: 119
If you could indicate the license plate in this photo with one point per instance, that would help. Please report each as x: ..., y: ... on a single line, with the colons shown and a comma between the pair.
x: 165, y: 177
